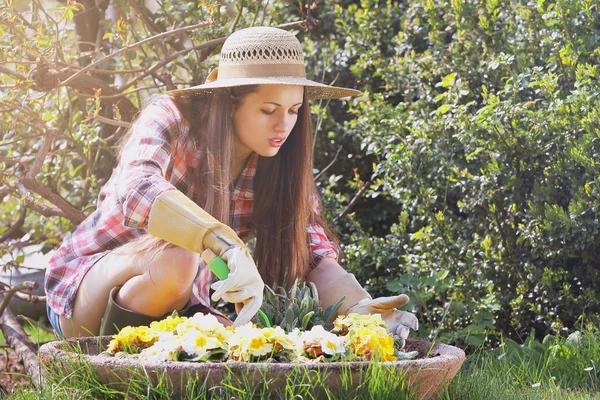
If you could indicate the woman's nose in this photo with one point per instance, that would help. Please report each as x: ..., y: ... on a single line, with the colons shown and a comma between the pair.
x: 281, y: 125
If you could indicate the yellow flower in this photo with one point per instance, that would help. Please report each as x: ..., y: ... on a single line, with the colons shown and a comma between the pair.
x: 168, y: 324
x: 343, y: 324
x: 250, y: 343
x: 132, y: 339
x: 372, y: 344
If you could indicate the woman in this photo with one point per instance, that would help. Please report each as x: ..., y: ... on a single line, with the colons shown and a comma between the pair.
x: 201, y: 169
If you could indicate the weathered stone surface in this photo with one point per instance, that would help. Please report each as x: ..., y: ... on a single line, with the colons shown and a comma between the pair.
x: 436, y: 366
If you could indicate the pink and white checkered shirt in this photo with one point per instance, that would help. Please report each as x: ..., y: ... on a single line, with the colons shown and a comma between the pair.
x: 160, y: 156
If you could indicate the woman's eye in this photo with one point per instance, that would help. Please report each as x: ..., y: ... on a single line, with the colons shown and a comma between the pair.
x: 267, y: 112
x: 294, y: 112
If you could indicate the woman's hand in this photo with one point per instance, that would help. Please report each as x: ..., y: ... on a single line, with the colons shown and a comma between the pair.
x: 399, y: 322
x: 243, y: 285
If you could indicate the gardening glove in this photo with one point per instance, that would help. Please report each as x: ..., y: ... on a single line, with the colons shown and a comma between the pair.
x: 243, y: 285
x: 359, y: 301
x: 177, y: 219
x: 399, y: 322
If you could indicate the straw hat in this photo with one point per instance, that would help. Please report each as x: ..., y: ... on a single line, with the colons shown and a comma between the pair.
x: 263, y: 56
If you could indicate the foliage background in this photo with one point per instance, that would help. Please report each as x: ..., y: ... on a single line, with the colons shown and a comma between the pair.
x: 466, y: 175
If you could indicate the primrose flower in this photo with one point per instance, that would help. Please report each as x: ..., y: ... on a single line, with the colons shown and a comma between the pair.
x: 318, y: 341
x: 207, y: 324
x: 166, y: 349
x: 343, y: 324
x: 132, y: 339
x: 250, y: 343
x: 372, y: 343
x: 200, y: 345
x: 168, y: 324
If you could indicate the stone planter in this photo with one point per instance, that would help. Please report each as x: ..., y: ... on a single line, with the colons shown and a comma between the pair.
x: 426, y: 376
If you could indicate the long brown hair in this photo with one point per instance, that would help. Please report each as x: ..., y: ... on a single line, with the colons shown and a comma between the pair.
x: 285, y: 199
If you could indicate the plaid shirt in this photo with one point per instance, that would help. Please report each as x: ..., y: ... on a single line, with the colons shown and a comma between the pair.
x: 160, y: 156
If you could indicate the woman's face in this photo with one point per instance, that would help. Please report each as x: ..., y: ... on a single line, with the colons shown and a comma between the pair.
x: 265, y: 119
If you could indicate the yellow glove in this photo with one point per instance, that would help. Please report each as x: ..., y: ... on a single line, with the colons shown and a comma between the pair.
x: 359, y: 301
x: 177, y: 219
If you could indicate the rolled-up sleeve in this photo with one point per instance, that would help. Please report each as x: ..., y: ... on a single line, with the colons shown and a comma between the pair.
x: 145, y: 161
x: 320, y: 245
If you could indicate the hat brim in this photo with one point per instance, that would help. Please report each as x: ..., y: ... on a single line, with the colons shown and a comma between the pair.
x: 315, y: 90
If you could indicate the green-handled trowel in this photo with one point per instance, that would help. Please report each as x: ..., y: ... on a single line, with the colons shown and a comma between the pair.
x: 219, y: 267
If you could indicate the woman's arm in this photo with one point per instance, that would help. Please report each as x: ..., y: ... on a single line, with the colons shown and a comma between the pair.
x: 325, y: 272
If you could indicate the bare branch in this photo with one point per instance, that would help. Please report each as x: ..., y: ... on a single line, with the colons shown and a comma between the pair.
x: 25, y: 296
x: 202, y: 46
x: 132, y: 46
x: 112, y: 122
x: 356, y: 197
x: 67, y: 209
x: 39, y: 160
x: 328, y: 165
x: 26, y: 352
x: 115, y: 96
x: 17, y: 225
x: 13, y: 290
x: 8, y: 71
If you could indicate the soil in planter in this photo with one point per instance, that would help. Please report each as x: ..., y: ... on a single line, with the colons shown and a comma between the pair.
x: 422, y: 348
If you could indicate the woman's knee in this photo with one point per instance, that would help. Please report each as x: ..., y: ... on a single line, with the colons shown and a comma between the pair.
x: 174, y: 269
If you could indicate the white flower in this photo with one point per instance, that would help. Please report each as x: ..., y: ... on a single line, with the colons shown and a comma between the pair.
x: 162, y: 350
x: 330, y: 344
x: 588, y: 369
x: 195, y: 342
x: 536, y: 385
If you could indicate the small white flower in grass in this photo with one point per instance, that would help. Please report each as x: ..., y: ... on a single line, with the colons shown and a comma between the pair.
x: 536, y: 385
x: 588, y: 369
x: 501, y: 356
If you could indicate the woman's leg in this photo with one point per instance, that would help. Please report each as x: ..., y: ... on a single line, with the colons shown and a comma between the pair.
x: 151, y: 285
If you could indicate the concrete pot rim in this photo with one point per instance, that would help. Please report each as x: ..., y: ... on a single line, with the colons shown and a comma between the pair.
x: 56, y: 349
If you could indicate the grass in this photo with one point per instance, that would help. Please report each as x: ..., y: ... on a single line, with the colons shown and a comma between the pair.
x: 557, y: 368
x: 35, y: 333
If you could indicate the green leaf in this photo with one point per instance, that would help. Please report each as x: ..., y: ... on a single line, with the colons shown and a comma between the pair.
x: 444, y: 108
x: 449, y: 80
x: 108, y: 35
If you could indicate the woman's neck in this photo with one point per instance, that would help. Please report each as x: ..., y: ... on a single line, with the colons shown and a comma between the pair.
x: 241, y: 153
x: 239, y: 162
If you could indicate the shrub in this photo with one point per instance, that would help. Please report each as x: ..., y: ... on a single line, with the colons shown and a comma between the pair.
x: 483, y: 120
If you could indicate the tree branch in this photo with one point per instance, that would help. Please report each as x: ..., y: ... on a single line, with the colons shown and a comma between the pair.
x: 31, y: 298
x: 132, y: 46
x: 25, y: 350
x: 17, y: 225
x: 202, y: 46
x: 29, y: 182
x: 349, y: 206
x: 13, y: 290
x: 8, y: 71
x: 112, y: 122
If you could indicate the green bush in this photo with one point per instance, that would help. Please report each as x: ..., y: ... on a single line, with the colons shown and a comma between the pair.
x: 483, y: 119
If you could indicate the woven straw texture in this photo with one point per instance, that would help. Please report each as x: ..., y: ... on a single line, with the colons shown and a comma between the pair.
x: 263, y: 56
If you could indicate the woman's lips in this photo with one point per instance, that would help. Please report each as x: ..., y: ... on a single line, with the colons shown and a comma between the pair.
x: 276, y: 142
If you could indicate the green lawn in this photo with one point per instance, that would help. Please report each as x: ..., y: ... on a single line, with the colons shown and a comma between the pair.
x: 558, y: 368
